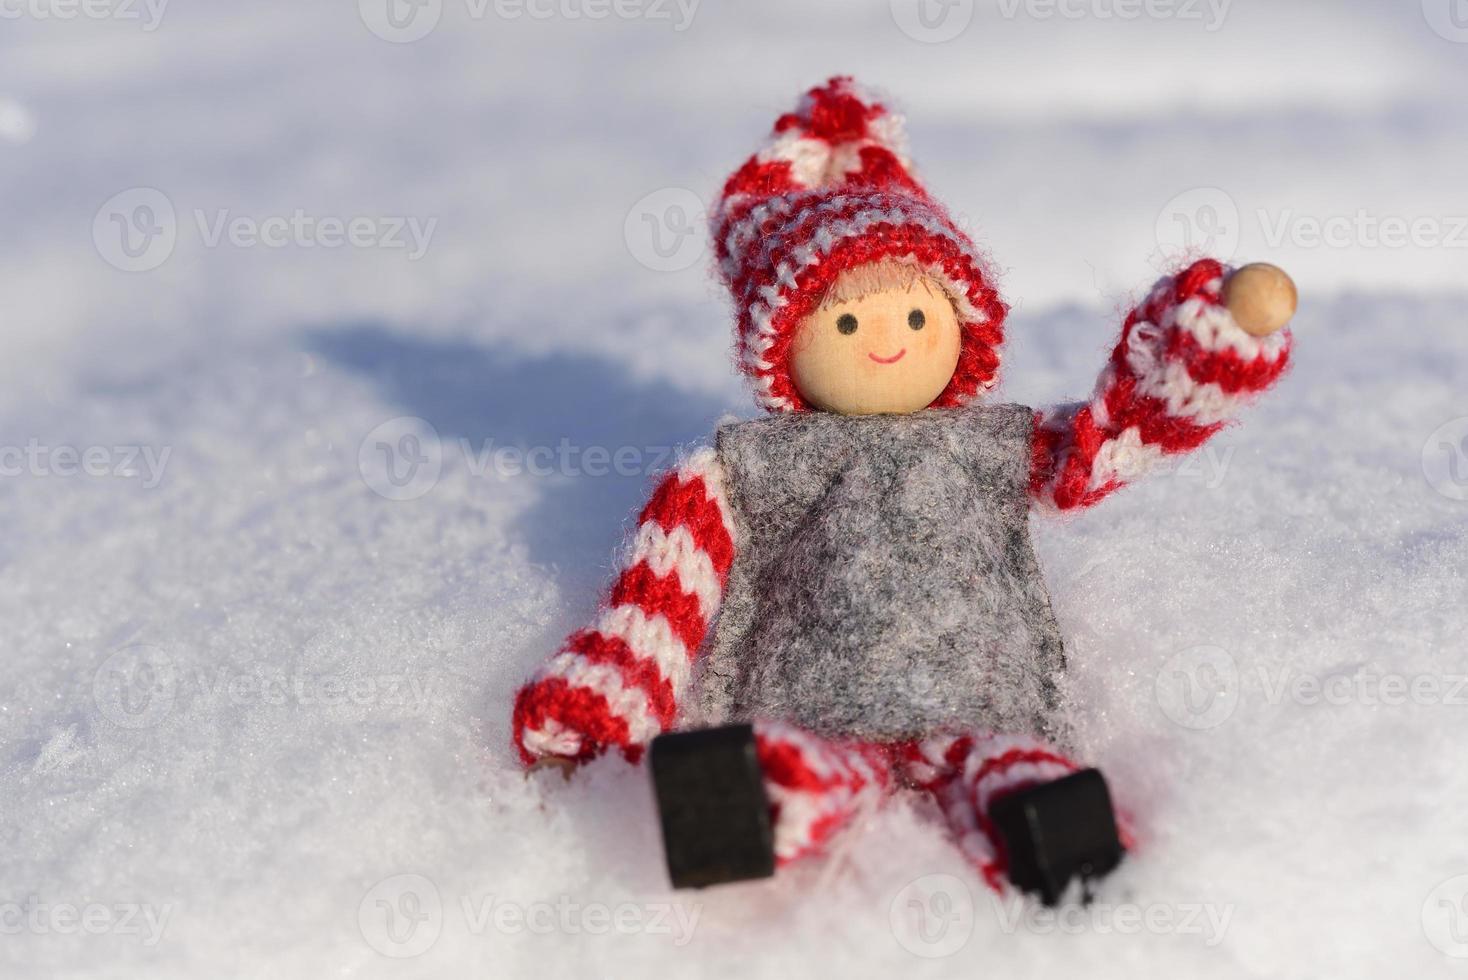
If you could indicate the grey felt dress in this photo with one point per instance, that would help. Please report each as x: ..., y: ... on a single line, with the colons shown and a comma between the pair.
x: 885, y: 586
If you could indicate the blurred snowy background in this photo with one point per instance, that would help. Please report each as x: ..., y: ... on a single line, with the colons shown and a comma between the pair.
x: 324, y: 325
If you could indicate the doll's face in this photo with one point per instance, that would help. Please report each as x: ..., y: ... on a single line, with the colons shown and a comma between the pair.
x: 889, y: 351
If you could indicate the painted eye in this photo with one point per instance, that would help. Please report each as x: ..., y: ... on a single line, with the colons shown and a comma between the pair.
x: 915, y: 319
x: 846, y: 323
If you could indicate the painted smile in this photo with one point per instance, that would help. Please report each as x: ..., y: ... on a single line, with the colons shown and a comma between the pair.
x: 888, y: 360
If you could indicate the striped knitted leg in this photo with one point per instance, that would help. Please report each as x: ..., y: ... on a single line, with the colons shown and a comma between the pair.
x: 967, y: 773
x: 816, y: 786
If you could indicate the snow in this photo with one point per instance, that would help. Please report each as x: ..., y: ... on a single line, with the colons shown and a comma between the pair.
x: 252, y: 703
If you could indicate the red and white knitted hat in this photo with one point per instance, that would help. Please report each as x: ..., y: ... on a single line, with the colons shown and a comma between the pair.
x: 833, y: 189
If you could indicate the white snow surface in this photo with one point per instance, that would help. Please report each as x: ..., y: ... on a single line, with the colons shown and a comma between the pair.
x: 253, y: 713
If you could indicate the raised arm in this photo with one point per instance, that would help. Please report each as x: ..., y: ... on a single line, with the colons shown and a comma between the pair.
x: 1202, y: 345
x: 621, y: 682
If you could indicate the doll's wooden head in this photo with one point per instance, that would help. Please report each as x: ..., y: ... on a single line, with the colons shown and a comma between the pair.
x: 885, y: 339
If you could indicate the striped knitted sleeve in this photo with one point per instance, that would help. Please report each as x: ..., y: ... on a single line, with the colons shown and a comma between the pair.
x: 620, y: 682
x: 1181, y: 371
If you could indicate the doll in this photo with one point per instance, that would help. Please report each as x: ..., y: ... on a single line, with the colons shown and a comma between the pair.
x: 840, y: 599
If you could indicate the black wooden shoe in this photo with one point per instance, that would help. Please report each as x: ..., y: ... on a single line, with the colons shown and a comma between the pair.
x: 1058, y: 831
x: 711, y: 801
